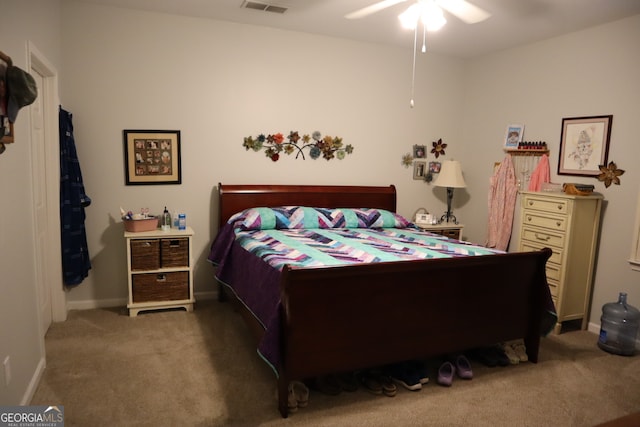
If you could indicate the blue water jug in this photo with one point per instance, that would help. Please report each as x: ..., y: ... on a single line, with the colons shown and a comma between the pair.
x: 619, y: 327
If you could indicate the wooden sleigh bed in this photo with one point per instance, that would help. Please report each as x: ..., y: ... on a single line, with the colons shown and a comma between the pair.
x: 339, y: 319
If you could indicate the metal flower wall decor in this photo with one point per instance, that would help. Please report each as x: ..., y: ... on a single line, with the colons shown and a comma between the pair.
x: 328, y: 147
x: 610, y: 174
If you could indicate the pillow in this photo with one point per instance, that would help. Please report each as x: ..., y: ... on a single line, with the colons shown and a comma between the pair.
x: 298, y: 217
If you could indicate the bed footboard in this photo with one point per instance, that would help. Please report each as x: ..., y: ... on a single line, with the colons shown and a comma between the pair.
x: 354, y: 317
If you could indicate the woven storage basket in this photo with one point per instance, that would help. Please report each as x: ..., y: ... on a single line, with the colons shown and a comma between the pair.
x: 138, y: 225
x: 145, y: 254
x: 175, y: 252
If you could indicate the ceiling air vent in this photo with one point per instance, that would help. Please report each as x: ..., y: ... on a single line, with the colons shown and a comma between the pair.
x: 263, y: 6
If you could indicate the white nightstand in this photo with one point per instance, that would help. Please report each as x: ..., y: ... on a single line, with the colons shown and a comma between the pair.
x: 160, y: 270
x: 448, y: 229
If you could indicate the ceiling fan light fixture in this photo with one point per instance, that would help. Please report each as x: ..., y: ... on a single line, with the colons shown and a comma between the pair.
x: 426, y: 11
x: 409, y: 18
x: 433, y: 21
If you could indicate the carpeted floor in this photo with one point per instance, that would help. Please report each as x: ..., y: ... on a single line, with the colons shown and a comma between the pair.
x: 170, y: 368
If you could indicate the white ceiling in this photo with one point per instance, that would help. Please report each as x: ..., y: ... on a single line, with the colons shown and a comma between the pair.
x: 513, y: 22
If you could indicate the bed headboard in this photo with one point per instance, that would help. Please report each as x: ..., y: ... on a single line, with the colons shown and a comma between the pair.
x: 235, y: 198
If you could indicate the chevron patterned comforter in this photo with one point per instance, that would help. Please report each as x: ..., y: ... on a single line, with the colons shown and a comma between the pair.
x: 251, y: 250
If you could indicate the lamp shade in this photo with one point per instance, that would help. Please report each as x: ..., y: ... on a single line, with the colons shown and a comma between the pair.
x: 450, y: 175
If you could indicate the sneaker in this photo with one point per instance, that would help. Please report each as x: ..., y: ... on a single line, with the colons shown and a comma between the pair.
x: 421, y: 370
x: 370, y: 381
x: 403, y: 374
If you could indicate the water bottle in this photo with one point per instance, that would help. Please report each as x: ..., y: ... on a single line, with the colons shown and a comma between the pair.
x: 166, y: 220
x: 176, y: 220
x: 182, y: 221
x: 619, y: 327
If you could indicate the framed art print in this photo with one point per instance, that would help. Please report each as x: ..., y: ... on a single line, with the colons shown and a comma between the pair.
x: 152, y: 157
x: 419, y: 169
x: 584, y: 145
x: 513, y: 136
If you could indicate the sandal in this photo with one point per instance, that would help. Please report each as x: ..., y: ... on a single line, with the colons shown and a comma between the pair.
x: 520, y: 349
x: 300, y: 392
x: 292, y: 403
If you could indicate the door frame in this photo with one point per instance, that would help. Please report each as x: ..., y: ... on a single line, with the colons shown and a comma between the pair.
x: 37, y: 61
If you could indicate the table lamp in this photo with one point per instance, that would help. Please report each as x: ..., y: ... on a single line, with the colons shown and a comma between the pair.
x: 450, y: 177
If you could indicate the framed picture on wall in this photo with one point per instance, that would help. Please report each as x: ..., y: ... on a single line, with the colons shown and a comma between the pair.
x: 419, y: 151
x: 513, y: 136
x: 152, y: 157
x: 584, y: 145
x: 6, y: 130
x: 419, y: 169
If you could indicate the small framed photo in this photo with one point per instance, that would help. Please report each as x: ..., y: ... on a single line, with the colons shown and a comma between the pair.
x: 6, y: 130
x: 152, y: 157
x: 513, y: 136
x: 419, y: 169
x: 419, y: 151
x: 434, y: 167
x: 584, y: 145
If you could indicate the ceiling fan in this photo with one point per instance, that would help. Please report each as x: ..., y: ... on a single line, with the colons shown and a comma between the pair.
x: 430, y: 13
x: 462, y: 9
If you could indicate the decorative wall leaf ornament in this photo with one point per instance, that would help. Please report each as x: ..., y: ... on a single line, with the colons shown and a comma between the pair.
x: 438, y: 148
x: 407, y: 159
x: 610, y: 174
x: 328, y: 147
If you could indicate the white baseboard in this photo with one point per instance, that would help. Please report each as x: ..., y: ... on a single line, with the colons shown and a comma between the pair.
x: 96, y: 303
x: 119, y: 302
x: 33, y: 384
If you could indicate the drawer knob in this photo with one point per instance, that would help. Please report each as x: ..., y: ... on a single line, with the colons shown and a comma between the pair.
x: 530, y: 202
x: 558, y: 223
x: 528, y: 218
x: 544, y: 237
x: 559, y: 207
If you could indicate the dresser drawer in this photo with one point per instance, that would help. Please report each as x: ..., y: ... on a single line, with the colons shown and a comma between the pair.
x: 542, y: 237
x: 145, y: 254
x: 174, y: 252
x: 160, y: 286
x: 532, y: 217
x: 554, y: 271
x: 556, y: 254
x: 553, y: 287
x: 546, y: 204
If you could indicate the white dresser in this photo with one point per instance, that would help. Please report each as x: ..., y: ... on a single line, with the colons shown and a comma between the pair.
x: 568, y: 225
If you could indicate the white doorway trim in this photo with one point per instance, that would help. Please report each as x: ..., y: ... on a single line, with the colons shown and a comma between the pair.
x: 37, y: 61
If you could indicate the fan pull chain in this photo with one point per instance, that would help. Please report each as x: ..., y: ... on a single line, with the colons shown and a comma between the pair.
x: 413, y: 73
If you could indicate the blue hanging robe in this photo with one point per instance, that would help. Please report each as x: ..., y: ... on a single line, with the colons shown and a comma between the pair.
x: 75, y: 253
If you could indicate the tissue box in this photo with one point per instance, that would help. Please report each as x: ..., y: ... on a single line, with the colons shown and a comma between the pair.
x: 138, y: 225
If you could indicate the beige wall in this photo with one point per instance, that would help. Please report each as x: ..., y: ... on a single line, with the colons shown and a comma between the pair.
x: 588, y: 73
x: 37, y: 21
x: 219, y: 82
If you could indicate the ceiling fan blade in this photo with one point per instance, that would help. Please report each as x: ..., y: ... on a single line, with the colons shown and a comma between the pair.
x: 464, y: 10
x: 376, y: 7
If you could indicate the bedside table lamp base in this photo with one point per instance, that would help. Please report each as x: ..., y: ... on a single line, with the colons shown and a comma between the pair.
x: 448, y: 215
x: 450, y: 177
